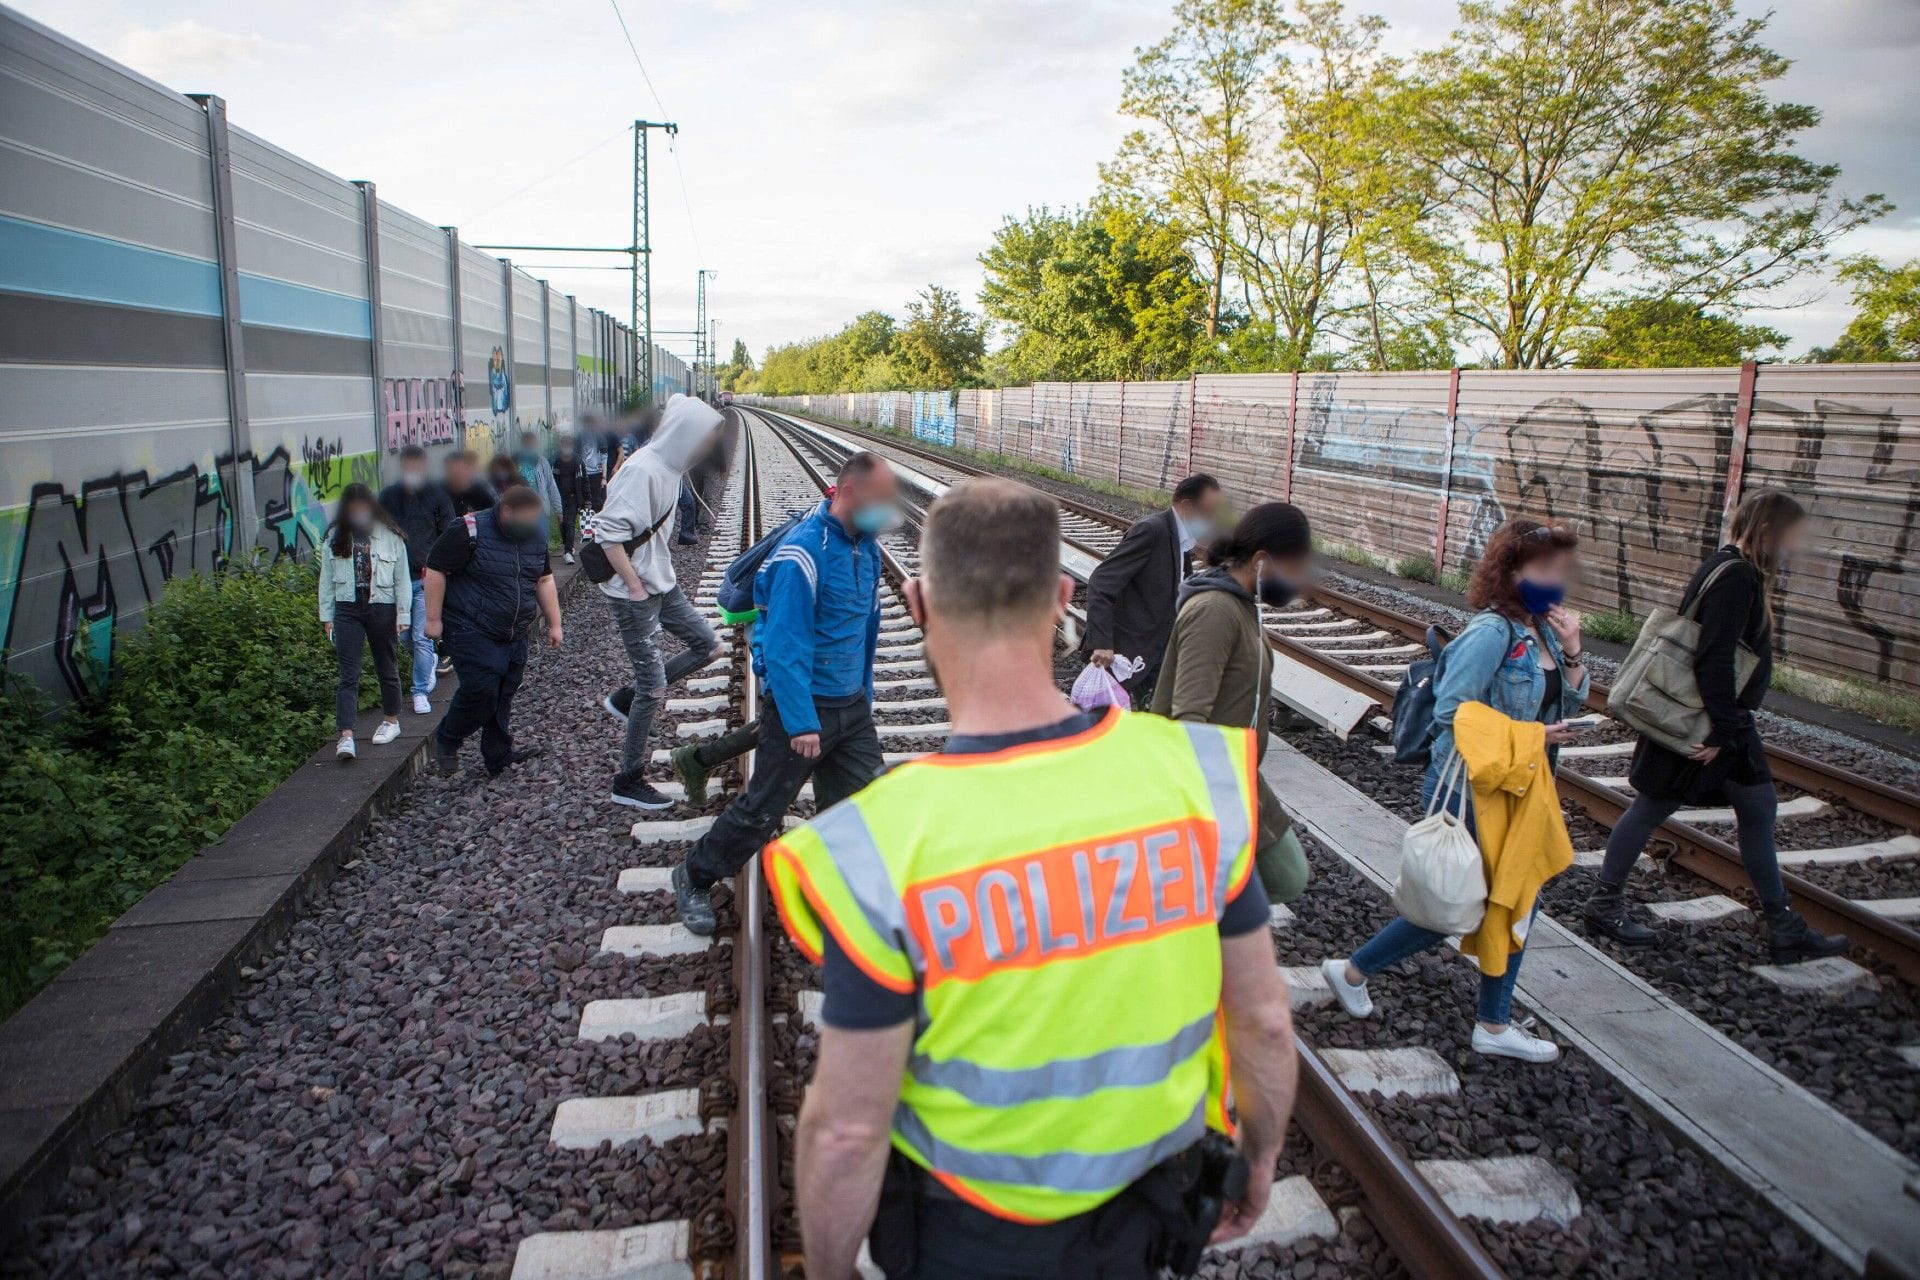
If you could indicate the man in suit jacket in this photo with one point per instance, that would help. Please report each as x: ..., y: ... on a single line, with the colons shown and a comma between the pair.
x: 1130, y: 597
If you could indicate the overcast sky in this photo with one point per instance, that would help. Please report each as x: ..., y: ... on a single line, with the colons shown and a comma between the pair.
x: 837, y: 154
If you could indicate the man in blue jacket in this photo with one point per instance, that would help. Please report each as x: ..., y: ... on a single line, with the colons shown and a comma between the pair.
x: 819, y: 598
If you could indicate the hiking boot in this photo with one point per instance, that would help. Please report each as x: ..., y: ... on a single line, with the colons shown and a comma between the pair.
x: 1791, y: 939
x: 693, y: 774
x: 639, y: 794
x: 1606, y: 912
x: 695, y: 907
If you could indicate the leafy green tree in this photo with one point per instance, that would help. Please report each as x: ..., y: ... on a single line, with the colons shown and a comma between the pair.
x: 1886, y: 322
x: 941, y: 345
x: 1202, y: 97
x: 1668, y: 333
x: 1582, y: 142
x: 738, y: 371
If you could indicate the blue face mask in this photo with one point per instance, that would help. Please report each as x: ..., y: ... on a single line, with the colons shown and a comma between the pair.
x: 877, y: 517
x: 1538, y: 598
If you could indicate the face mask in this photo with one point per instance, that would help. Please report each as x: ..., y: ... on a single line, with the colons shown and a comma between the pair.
x: 412, y: 481
x: 518, y: 530
x: 1199, y: 528
x: 360, y: 521
x: 1276, y: 592
x: 1538, y: 598
x: 877, y: 517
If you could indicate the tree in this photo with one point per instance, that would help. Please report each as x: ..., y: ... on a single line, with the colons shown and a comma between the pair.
x: 1105, y: 293
x: 1202, y: 95
x: 1667, y: 333
x: 1580, y: 143
x: 737, y: 369
x: 1886, y: 322
x: 941, y: 345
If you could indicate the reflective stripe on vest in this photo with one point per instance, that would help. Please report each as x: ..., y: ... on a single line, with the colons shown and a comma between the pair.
x: 1054, y: 908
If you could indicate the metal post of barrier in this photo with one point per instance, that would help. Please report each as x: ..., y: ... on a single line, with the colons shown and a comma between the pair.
x: 1446, y: 473
x: 1120, y: 432
x: 1293, y: 416
x: 1737, y: 448
x: 226, y: 248
x: 1193, y: 415
x: 459, y: 406
x: 383, y: 412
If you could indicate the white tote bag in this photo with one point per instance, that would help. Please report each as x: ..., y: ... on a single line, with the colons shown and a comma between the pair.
x: 1443, y: 882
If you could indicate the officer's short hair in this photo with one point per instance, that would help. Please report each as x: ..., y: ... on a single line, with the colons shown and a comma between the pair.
x: 991, y: 552
x: 518, y: 497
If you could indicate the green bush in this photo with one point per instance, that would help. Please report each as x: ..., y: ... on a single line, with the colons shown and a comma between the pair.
x: 223, y: 692
x: 1614, y: 625
x: 1418, y: 568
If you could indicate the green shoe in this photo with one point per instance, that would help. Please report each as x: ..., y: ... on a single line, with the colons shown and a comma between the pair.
x: 687, y: 768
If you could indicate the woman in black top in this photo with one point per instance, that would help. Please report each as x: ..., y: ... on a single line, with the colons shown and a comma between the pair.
x: 1730, y: 766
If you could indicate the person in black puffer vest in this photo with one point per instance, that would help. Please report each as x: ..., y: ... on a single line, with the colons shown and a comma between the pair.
x: 486, y: 579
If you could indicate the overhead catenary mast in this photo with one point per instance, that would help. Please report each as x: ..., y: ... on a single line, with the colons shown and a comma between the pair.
x: 642, y: 307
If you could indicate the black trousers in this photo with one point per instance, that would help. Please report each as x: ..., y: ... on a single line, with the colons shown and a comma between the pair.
x: 849, y: 759
x: 489, y: 673
x: 596, y: 495
x: 569, y: 522
x: 356, y: 628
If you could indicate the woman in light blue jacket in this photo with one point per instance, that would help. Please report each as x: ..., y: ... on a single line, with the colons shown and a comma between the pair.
x: 366, y: 596
x: 1520, y: 655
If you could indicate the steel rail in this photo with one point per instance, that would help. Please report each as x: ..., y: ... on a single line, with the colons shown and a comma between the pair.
x: 1410, y: 1215
x: 753, y: 1161
x: 1708, y: 856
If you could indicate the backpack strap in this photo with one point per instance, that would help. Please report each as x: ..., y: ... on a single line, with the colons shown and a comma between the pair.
x: 1693, y: 605
x: 472, y: 521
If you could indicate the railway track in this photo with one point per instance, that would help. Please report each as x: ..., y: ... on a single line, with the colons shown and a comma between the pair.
x: 1365, y: 647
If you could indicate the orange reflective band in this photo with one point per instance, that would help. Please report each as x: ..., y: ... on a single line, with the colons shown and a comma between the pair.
x: 1068, y: 901
x: 820, y: 912
x: 978, y: 1201
x: 971, y: 759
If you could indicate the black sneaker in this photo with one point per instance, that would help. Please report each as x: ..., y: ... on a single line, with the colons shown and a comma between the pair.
x: 518, y: 755
x: 638, y: 794
x: 446, y: 759
x: 619, y: 703
x: 695, y: 907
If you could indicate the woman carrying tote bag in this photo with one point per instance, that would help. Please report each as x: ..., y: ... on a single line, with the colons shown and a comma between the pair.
x: 1520, y: 655
x: 1729, y: 767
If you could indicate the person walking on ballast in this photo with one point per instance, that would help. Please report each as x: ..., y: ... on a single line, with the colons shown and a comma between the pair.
x: 365, y: 600
x: 643, y: 592
x: 819, y: 595
x: 1521, y: 656
x: 423, y: 510
x: 1131, y: 595
x: 487, y: 578
x: 1219, y: 666
x: 1730, y: 767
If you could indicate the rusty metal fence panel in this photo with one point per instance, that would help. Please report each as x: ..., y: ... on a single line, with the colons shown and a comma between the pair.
x: 1845, y: 440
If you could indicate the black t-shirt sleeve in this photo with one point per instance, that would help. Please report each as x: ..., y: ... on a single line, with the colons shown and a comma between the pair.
x: 1246, y: 910
x: 451, y: 550
x: 855, y: 1002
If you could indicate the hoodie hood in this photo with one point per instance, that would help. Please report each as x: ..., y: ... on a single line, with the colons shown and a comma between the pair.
x: 684, y: 426
x: 1214, y: 579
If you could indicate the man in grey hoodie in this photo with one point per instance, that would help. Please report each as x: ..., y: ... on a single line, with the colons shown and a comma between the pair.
x: 643, y: 593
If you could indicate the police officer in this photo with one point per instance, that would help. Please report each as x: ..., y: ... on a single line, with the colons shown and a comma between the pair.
x: 485, y: 577
x: 1026, y: 942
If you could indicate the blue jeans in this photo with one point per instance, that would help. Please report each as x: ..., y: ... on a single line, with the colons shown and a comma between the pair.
x: 1402, y: 938
x: 689, y: 512
x: 419, y: 644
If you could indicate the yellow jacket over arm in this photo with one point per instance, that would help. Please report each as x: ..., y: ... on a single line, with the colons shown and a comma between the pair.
x: 1517, y: 819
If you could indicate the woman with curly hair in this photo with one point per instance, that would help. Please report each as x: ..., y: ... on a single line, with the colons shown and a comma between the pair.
x: 1520, y: 655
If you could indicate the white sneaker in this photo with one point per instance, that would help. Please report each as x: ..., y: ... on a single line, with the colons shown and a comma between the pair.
x: 387, y: 732
x: 345, y: 752
x: 1352, y: 996
x: 433, y: 678
x: 567, y: 558
x: 1514, y: 1043
x: 421, y: 707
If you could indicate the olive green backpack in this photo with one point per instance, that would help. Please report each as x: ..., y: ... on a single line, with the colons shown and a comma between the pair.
x: 1656, y: 692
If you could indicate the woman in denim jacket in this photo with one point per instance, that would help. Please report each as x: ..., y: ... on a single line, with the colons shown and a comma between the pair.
x: 1520, y: 655
x: 366, y: 594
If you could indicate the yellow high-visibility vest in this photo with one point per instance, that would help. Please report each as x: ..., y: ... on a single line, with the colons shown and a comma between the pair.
x: 1054, y: 908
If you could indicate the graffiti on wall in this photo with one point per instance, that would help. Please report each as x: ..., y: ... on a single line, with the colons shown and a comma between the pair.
x: 82, y: 560
x: 423, y: 411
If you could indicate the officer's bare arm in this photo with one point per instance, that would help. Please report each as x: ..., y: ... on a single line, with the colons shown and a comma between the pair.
x: 843, y: 1142
x: 1259, y: 1019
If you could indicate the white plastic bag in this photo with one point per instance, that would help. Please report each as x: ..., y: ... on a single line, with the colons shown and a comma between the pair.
x: 1443, y: 882
x: 1097, y: 687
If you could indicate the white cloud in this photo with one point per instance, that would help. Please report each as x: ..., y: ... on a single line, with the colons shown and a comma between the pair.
x: 184, y: 50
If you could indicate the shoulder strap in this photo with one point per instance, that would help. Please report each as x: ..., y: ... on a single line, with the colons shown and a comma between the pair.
x: 635, y: 544
x: 1693, y: 605
x: 472, y: 520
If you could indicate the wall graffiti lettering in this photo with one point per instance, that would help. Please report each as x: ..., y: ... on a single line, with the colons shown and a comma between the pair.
x: 88, y: 559
x: 423, y: 411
